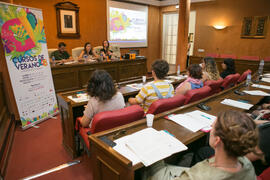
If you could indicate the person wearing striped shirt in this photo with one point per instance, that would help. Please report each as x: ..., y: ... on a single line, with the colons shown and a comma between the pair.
x: 157, y: 89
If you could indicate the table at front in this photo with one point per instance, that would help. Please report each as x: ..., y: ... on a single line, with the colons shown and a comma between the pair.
x: 70, y: 110
x: 109, y: 164
x: 75, y: 76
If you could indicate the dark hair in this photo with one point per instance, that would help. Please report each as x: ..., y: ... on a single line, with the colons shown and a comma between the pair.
x: 211, y: 68
x: 106, y: 47
x: 85, y: 51
x: 195, y: 71
x: 264, y: 139
x: 61, y: 44
x: 161, y: 68
x: 230, y: 65
x: 101, y: 85
x: 237, y: 131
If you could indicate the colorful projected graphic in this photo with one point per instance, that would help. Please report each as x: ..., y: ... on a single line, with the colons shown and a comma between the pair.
x: 23, y: 37
x: 119, y: 21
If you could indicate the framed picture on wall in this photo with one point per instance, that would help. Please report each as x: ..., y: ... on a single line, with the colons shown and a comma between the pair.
x: 67, y: 17
x: 254, y: 27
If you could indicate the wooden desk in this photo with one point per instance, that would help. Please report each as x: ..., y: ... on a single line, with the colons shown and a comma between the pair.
x: 70, y: 110
x: 75, y: 76
x: 108, y: 164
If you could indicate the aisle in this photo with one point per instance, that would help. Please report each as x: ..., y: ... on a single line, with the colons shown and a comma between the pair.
x: 39, y: 149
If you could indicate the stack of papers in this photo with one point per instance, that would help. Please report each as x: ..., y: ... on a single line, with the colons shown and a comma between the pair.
x: 136, y: 86
x: 79, y: 97
x: 194, y: 121
x: 237, y: 104
x: 267, y: 79
x: 148, y: 146
x: 261, y: 86
x: 257, y: 93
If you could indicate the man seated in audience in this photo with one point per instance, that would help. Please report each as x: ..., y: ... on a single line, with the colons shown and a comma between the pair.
x: 234, y: 135
x: 228, y: 67
x: 158, y: 89
x: 193, y: 81
x: 103, y: 96
x: 210, y: 70
x: 61, y: 54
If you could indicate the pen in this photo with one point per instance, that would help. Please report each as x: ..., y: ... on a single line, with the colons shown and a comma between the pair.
x: 205, y: 117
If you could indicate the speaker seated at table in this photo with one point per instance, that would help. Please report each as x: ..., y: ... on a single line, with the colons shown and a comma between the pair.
x: 107, y: 120
x: 113, y: 48
x: 76, y: 52
x: 50, y: 51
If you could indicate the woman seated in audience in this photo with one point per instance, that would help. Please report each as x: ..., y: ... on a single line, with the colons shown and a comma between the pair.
x: 228, y: 67
x: 106, y: 52
x: 103, y: 96
x: 262, y: 113
x: 193, y: 81
x: 210, y: 70
x: 234, y: 135
x: 87, y: 52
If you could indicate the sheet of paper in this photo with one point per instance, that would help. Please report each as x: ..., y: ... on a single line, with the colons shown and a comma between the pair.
x: 261, y: 86
x: 122, y: 149
x: 266, y: 79
x: 266, y: 75
x: 150, y: 145
x: 237, y: 104
x: 79, y: 98
x: 177, y: 77
x: 70, y: 62
x: 257, y: 93
x: 136, y: 86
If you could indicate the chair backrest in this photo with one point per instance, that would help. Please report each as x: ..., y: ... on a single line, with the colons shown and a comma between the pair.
x: 163, y: 105
x: 214, y: 85
x: 76, y: 52
x: 50, y: 51
x: 212, y: 55
x: 255, y: 58
x: 266, y: 59
x: 197, y: 94
x: 110, y: 119
x: 244, y: 76
x: 228, y: 56
x: 265, y: 175
x: 228, y: 81
x: 235, y: 78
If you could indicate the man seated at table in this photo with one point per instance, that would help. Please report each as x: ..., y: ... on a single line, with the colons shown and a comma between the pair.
x: 61, y: 53
x: 158, y: 89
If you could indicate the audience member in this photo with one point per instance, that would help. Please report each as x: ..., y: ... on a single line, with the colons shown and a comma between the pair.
x: 158, y: 89
x: 61, y: 53
x: 103, y: 96
x: 234, y: 135
x: 228, y: 67
x: 193, y: 81
x: 210, y: 70
x: 87, y: 51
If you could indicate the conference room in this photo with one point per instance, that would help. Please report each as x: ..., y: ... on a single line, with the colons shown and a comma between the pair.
x: 134, y: 89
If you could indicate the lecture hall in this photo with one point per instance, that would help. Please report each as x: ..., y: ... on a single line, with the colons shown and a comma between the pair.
x: 135, y: 89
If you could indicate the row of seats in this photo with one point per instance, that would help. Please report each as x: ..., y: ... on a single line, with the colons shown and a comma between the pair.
x: 77, y: 51
x: 110, y: 119
x: 255, y: 58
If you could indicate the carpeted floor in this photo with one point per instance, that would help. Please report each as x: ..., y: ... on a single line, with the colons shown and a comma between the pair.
x: 39, y: 149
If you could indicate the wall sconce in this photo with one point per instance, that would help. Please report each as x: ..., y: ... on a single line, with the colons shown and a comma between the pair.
x: 177, y: 6
x: 219, y: 27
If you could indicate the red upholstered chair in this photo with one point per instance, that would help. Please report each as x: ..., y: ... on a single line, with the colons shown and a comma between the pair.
x: 230, y: 81
x: 214, y: 85
x: 162, y: 105
x: 266, y: 59
x: 107, y: 120
x: 212, y: 55
x: 228, y: 56
x: 197, y: 94
x: 265, y: 175
x: 244, y: 76
x: 255, y: 58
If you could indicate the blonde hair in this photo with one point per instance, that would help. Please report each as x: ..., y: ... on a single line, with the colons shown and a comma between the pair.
x: 211, y: 68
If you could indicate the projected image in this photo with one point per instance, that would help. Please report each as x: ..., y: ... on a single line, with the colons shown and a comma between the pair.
x: 127, y: 25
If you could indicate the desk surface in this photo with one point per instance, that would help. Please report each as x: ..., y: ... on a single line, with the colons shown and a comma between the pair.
x: 101, y: 152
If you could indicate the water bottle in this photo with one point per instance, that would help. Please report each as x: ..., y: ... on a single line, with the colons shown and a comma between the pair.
x: 85, y: 58
x: 248, y: 80
x: 260, y: 71
x: 53, y: 60
x: 178, y: 70
x: 101, y: 56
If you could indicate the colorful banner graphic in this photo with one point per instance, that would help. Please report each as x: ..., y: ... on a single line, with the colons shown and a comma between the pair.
x: 24, y: 41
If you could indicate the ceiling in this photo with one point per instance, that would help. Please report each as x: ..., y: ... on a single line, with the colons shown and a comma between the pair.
x: 162, y: 2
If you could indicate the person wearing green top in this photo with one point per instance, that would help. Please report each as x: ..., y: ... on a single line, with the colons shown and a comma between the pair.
x: 61, y: 53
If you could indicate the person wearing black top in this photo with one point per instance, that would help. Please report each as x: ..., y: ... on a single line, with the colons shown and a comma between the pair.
x: 228, y: 67
x: 61, y: 53
x: 105, y: 51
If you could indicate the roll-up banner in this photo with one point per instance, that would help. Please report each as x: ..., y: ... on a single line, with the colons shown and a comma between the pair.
x: 24, y: 42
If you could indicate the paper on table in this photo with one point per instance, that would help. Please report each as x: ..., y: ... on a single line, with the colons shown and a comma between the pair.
x: 122, y: 149
x: 177, y: 77
x: 237, y: 104
x: 266, y: 79
x: 137, y: 86
x: 257, y: 93
x: 261, y: 86
x: 80, y: 98
x: 150, y: 145
x: 266, y: 75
